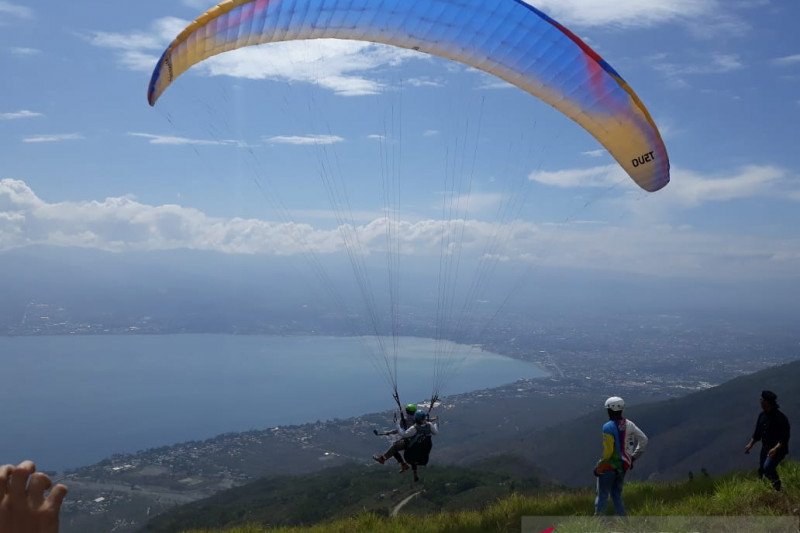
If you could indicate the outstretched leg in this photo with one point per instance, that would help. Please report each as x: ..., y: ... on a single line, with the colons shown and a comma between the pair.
x: 24, y: 508
x: 394, y: 451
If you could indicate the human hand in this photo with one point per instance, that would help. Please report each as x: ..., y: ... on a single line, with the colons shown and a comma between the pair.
x: 23, y: 505
x: 748, y: 448
x: 772, y: 453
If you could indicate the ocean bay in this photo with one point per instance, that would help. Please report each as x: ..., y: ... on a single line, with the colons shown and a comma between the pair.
x: 73, y: 400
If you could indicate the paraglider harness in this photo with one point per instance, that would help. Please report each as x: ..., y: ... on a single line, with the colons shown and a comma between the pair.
x: 418, y: 449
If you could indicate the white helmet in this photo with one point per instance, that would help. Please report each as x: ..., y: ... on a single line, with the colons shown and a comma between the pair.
x: 615, y: 403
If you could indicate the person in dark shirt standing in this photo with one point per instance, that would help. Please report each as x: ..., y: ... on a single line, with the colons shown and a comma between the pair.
x: 772, y: 429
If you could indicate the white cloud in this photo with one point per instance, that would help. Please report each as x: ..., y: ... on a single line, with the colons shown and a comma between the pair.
x: 623, y: 12
x: 721, y: 22
x: 721, y: 63
x: 678, y: 71
x: 22, y: 113
x: 200, y: 4
x: 126, y: 42
x: 140, y: 51
x: 185, y: 141
x: 53, y: 138
x: 489, y: 82
x: 692, y: 189
x: 338, y: 65
x: 595, y: 153
x: 329, y: 215
x: 687, y: 188
x: 601, y: 176
x: 430, y: 133
x: 477, y: 202
x: 24, y: 52
x: 424, y: 82
x: 15, y: 10
x: 304, y: 140
x: 495, y: 84
x: 124, y: 224
x: 787, y: 60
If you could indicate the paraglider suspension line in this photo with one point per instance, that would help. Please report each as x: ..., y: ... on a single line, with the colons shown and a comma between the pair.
x: 434, y: 399
x: 396, y: 397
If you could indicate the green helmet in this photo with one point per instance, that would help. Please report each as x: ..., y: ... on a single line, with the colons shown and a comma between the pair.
x: 411, y: 408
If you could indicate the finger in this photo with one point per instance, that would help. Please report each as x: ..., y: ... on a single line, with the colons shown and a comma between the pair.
x: 38, y: 484
x: 55, y: 498
x: 19, y: 477
x: 5, y: 474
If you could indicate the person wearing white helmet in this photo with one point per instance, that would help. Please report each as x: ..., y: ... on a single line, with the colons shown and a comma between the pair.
x: 623, y: 443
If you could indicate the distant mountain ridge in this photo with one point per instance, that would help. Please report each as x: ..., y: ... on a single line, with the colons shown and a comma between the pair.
x: 706, y: 429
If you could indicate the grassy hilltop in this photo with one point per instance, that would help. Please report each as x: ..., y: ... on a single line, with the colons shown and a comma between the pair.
x: 739, y: 494
x: 701, y: 436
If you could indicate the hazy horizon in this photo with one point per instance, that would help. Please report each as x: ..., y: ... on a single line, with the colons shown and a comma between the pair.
x: 91, y: 284
x: 356, y: 188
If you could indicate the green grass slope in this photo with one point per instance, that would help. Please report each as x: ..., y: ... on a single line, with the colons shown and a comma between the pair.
x: 740, y: 494
x: 350, y: 489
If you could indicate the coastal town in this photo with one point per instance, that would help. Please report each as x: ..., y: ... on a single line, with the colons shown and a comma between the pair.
x: 122, y: 491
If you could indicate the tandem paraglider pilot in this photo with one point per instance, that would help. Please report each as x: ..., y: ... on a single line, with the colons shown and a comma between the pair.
x: 623, y: 443
x: 416, y: 441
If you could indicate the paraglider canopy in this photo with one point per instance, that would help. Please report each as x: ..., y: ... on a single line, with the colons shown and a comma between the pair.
x: 509, y: 39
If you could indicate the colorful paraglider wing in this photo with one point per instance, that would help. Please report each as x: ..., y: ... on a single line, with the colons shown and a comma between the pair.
x: 507, y: 38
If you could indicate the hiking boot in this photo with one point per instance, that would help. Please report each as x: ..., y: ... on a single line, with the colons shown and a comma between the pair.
x: 381, y: 459
x: 404, y: 467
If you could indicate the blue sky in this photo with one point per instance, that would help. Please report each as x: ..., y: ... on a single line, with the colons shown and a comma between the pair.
x: 84, y: 161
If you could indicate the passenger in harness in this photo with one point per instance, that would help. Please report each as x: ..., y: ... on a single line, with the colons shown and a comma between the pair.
x: 406, y: 422
x: 415, y: 441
